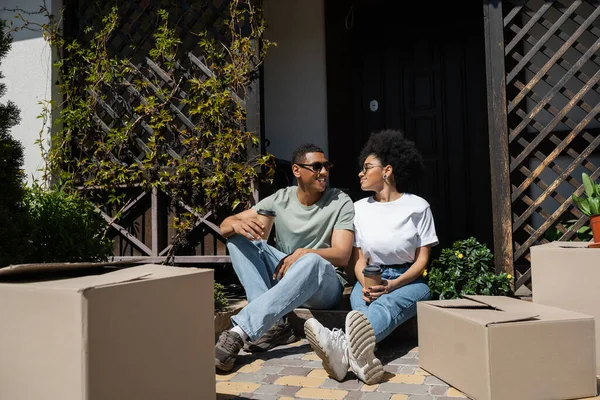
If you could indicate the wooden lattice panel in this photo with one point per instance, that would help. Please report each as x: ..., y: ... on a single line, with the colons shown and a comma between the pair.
x: 553, y: 99
x: 144, y: 227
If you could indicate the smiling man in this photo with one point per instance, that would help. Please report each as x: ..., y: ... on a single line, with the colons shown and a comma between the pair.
x: 314, y: 235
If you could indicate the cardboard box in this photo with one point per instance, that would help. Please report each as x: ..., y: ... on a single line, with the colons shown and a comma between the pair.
x: 567, y: 275
x: 500, y: 348
x: 137, y: 333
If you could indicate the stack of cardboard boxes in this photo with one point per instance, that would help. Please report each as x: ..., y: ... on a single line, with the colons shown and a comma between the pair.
x: 138, y: 333
x: 500, y: 348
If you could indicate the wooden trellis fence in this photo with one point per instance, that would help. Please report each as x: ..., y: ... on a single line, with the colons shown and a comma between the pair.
x: 543, y: 104
x: 144, y: 227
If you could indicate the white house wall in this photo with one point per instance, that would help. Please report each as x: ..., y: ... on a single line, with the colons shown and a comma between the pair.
x: 295, y: 93
x: 28, y: 76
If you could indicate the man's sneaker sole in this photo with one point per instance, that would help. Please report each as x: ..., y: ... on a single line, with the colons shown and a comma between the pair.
x: 311, y: 336
x: 361, y: 346
x: 265, y: 346
x: 224, y: 367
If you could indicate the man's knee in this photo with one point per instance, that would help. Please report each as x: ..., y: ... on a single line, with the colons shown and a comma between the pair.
x: 312, y: 261
x: 238, y: 241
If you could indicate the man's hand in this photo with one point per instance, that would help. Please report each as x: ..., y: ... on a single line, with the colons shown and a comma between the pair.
x: 287, y: 261
x: 249, y: 227
x: 245, y: 223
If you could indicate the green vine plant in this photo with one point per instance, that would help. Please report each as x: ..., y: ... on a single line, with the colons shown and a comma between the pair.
x: 176, y: 123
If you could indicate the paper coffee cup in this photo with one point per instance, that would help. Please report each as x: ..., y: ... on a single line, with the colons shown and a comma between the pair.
x: 372, y: 274
x: 267, y: 218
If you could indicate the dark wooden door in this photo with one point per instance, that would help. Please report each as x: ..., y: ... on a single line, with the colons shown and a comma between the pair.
x: 425, y: 74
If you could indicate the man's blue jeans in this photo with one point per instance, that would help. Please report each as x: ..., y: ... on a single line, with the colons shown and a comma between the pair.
x: 310, y: 282
x: 391, y: 310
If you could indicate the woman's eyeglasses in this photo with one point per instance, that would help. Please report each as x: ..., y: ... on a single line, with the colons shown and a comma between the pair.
x: 367, y: 167
x: 317, y: 166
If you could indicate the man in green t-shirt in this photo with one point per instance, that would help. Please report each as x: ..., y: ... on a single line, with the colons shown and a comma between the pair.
x: 314, y: 235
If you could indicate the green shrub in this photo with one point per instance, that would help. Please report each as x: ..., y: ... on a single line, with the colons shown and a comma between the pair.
x: 13, y: 216
x: 467, y: 268
x: 221, y: 301
x: 65, y: 228
x: 14, y: 219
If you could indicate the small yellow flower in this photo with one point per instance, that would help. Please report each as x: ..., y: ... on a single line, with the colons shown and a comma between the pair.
x: 509, y: 276
x: 459, y: 255
x: 424, y: 272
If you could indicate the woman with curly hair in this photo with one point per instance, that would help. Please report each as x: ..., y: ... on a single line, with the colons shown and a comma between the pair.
x: 394, y: 230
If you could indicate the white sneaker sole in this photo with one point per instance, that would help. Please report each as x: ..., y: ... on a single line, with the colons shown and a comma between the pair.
x: 361, y: 346
x: 334, y: 368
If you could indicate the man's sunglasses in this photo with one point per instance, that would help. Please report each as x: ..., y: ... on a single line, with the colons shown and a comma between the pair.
x: 317, y: 167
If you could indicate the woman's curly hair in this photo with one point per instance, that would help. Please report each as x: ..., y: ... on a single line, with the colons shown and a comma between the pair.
x: 392, y: 148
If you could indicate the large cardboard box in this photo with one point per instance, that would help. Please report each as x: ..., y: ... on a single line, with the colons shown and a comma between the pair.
x: 567, y: 275
x: 500, y: 348
x: 137, y: 333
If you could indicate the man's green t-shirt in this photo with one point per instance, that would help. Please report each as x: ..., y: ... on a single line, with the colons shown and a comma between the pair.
x: 298, y: 226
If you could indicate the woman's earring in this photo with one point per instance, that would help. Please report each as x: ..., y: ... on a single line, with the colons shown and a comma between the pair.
x: 384, y: 176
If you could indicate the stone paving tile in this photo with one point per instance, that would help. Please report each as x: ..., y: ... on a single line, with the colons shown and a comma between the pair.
x: 285, y: 362
x: 257, y: 378
x: 270, y: 369
x: 318, y: 373
x: 265, y: 397
x: 318, y: 393
x: 403, y: 388
x: 408, y: 370
x: 438, y: 390
x: 404, y: 378
x: 301, y: 381
x: 405, y: 361
x: 330, y: 384
x: 289, y: 390
x: 268, y: 389
x: 392, y: 369
x: 455, y: 393
x: 236, y: 387
x: 420, y: 397
x: 376, y: 396
x: 300, y: 371
x: 351, y: 384
x: 354, y: 396
x: 270, y: 379
x: 432, y: 380
x: 314, y: 364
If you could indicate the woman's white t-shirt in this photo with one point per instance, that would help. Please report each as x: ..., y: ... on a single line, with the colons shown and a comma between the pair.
x: 390, y: 233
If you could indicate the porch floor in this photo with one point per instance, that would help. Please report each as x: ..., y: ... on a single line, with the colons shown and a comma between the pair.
x: 295, y: 372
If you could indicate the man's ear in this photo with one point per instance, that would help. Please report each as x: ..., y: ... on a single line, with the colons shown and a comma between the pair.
x: 296, y: 170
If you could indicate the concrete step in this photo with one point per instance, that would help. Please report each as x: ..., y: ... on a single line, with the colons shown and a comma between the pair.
x: 336, y: 319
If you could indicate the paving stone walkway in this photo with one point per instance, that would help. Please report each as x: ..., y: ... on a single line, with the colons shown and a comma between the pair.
x: 295, y: 372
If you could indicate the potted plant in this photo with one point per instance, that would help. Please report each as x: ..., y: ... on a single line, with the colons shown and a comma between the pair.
x: 590, y: 206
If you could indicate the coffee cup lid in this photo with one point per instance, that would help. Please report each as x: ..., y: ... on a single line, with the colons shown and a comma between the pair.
x: 267, y: 213
x: 372, y: 269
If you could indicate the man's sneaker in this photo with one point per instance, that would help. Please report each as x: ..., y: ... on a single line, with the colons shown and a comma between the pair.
x: 361, y: 348
x: 278, y: 334
x: 226, y: 349
x: 330, y: 346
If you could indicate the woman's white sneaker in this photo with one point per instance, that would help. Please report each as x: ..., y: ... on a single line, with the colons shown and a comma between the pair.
x: 330, y: 345
x: 361, y: 348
